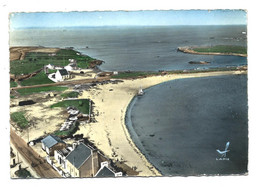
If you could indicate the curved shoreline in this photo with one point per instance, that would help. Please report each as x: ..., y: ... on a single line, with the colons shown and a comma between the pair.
x: 110, y: 133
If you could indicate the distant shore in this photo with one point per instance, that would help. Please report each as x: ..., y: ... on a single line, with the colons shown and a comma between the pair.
x: 192, y: 50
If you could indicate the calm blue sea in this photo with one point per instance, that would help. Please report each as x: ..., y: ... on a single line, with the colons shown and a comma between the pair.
x: 140, y: 48
x: 191, y: 117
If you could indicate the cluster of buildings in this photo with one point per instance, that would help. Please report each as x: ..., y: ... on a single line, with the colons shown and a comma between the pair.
x: 62, y: 73
x: 76, y: 160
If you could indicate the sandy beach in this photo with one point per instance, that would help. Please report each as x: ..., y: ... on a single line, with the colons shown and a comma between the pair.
x: 109, y: 133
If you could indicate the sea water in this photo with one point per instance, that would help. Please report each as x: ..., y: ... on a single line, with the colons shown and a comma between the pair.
x: 140, y: 48
x: 180, y: 124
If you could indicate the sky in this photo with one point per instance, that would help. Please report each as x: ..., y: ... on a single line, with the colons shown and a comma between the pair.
x: 128, y: 18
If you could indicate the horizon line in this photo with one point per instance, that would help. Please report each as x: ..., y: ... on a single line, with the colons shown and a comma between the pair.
x: 95, y: 26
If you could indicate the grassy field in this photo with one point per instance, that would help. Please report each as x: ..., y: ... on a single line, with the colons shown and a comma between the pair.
x: 222, y: 49
x: 19, y: 118
x: 124, y: 75
x: 13, y: 84
x: 40, y: 78
x: 81, y: 104
x: 70, y: 95
x: 34, y: 61
x: 28, y: 91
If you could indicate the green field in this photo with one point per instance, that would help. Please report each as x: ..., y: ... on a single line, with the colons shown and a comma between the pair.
x: 125, y: 75
x: 19, y: 118
x: 13, y: 84
x: 222, y: 49
x: 40, y: 78
x: 28, y: 91
x: 70, y: 95
x: 81, y: 104
x: 34, y: 61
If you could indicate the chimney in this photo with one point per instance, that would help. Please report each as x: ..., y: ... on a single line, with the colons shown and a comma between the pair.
x: 74, y: 145
x: 103, y: 164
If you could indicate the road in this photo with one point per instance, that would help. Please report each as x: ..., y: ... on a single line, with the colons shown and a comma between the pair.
x: 81, y: 81
x: 41, y: 167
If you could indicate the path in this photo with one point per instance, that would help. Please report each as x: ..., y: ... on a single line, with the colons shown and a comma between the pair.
x: 41, y: 167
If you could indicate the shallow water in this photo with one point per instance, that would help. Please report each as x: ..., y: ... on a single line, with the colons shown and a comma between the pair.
x: 191, y: 118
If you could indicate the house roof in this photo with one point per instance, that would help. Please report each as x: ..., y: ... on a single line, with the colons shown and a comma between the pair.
x: 79, y: 155
x: 63, y: 72
x: 105, y: 172
x: 51, y: 140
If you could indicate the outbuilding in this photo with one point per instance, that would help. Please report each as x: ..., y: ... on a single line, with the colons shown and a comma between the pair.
x: 52, y: 143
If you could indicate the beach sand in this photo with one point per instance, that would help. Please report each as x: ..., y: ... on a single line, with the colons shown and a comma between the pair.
x: 109, y: 133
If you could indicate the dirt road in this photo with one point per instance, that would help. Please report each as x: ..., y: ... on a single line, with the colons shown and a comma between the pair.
x: 41, y: 167
x: 81, y: 81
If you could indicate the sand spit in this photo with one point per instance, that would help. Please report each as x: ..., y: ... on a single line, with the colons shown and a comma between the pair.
x: 109, y: 133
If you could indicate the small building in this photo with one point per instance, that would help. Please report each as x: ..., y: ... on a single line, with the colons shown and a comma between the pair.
x: 71, y: 66
x: 52, y: 143
x: 50, y: 66
x: 82, y: 161
x: 68, y: 68
x: 105, y: 171
x: 62, y: 75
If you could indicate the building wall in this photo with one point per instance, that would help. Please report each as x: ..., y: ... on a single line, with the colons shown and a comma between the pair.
x: 58, y: 76
x: 86, y: 168
x: 58, y: 146
x: 74, y: 172
x: 43, y: 146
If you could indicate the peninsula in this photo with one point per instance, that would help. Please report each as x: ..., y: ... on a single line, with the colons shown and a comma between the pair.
x: 215, y: 50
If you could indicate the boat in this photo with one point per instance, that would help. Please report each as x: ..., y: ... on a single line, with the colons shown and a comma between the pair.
x: 140, y: 92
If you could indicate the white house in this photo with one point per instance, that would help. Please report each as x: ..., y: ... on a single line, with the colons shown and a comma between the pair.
x: 62, y: 75
x: 50, y: 66
x: 68, y: 68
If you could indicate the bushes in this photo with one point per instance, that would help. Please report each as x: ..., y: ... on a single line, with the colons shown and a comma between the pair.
x: 70, y: 95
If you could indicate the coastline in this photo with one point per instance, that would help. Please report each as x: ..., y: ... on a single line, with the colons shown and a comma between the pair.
x: 191, y: 51
x: 110, y: 133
